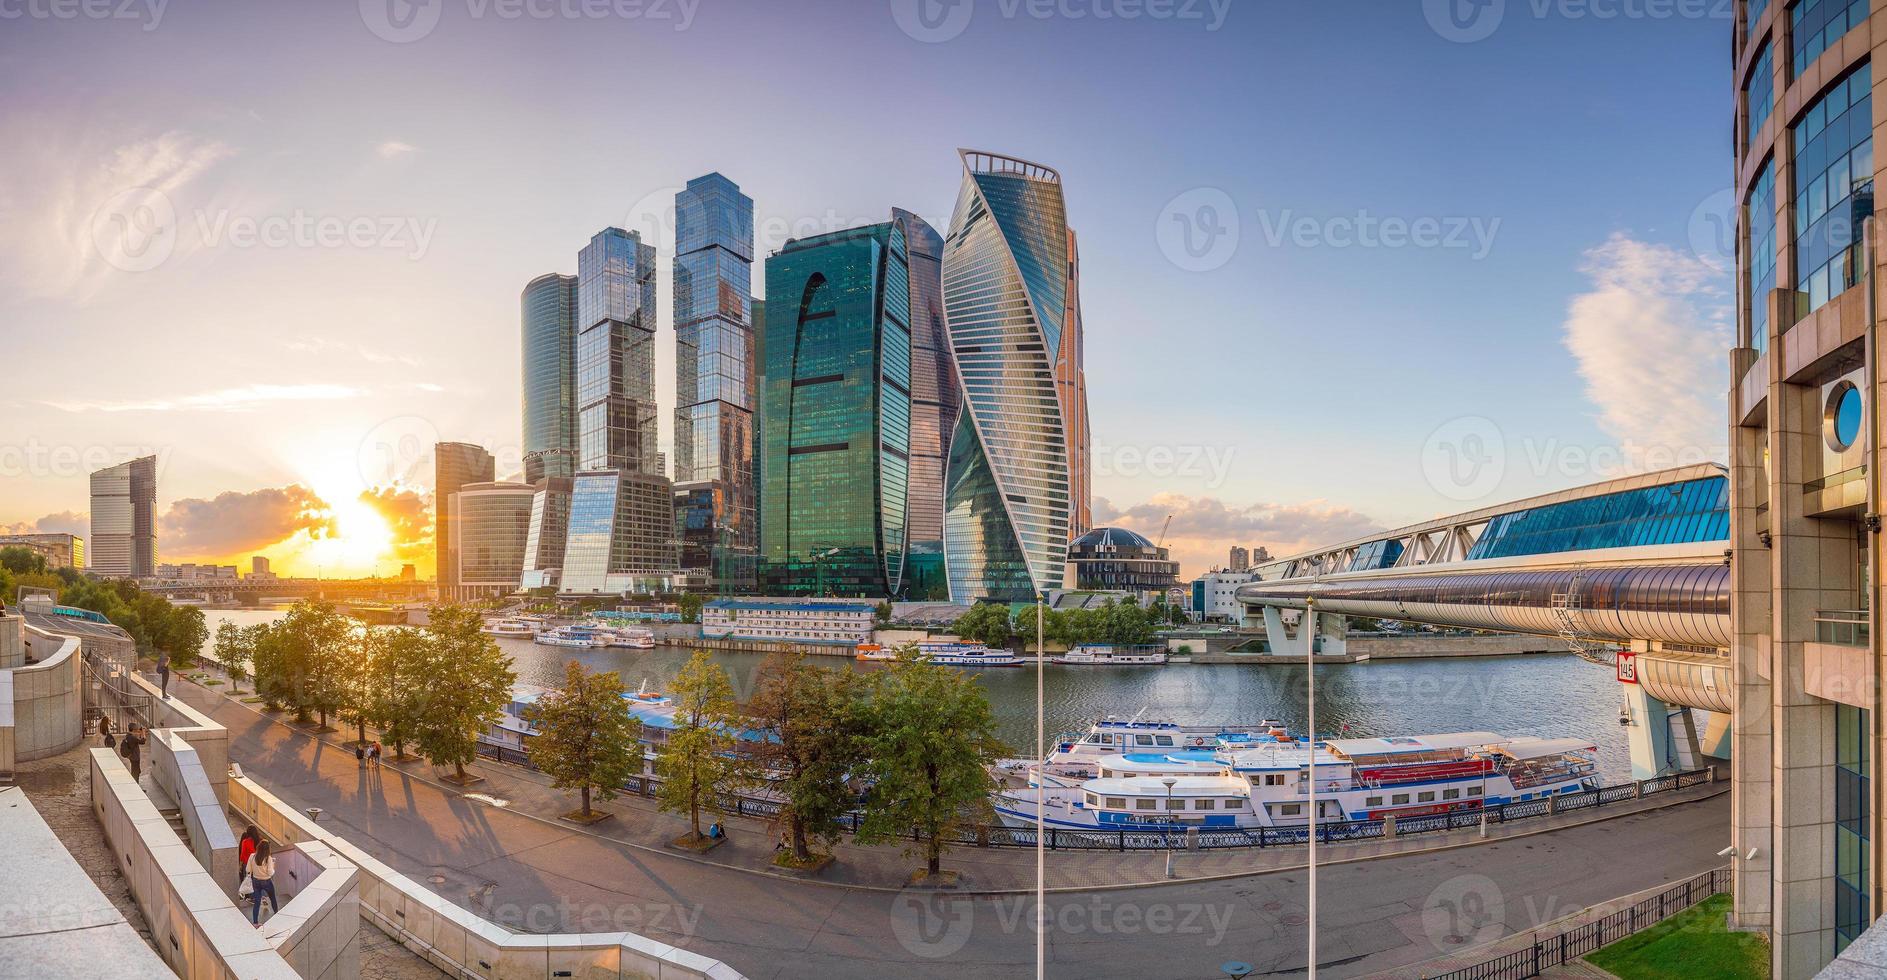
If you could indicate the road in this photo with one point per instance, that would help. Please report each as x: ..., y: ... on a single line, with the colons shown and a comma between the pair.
x: 1375, y: 915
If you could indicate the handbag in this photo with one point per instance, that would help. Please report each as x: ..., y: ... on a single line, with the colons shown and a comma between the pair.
x: 247, y: 887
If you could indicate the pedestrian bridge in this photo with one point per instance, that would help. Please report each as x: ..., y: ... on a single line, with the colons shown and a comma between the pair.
x: 1636, y: 568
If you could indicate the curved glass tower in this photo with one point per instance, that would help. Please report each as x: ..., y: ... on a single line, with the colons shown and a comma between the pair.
x: 1007, y: 268
x: 550, y: 377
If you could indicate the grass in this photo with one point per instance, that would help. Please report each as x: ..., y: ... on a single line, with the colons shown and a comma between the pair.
x: 1693, y: 943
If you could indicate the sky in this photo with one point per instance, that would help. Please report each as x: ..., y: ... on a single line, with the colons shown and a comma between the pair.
x: 1346, y: 264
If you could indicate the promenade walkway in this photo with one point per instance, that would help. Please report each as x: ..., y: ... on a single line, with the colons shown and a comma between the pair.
x: 515, y: 866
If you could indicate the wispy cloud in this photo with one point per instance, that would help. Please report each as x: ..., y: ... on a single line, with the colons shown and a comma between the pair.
x: 394, y: 149
x: 318, y: 345
x: 234, y: 522
x: 64, y: 522
x: 1205, y: 528
x: 226, y: 400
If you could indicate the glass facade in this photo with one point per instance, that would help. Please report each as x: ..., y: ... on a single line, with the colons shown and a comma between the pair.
x: 491, y: 524
x: 1759, y: 93
x: 1756, y: 8
x: 124, y: 519
x: 1760, y: 215
x: 616, y: 423
x: 1834, y: 167
x: 936, y: 400
x: 549, y: 317
x: 1006, y: 273
x: 1112, y: 558
x: 1852, y: 823
x: 1697, y: 510
x: 454, y: 464
x: 838, y: 414
x: 1817, y: 24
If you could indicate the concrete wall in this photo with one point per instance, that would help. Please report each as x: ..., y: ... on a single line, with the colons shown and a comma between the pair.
x: 178, y: 771
x: 12, y: 641
x: 41, y: 712
x: 320, y: 915
x: 456, y: 940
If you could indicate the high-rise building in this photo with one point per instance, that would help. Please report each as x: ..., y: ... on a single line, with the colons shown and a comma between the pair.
x: 758, y: 317
x: 259, y: 566
x: 714, y: 382
x: 622, y: 509
x: 1071, y: 390
x: 548, y: 318
x: 1241, y: 559
x: 838, y: 414
x: 491, y: 523
x: 59, y: 549
x: 124, y: 519
x: 1007, y: 270
x: 550, y: 526
x: 454, y: 464
x: 936, y: 400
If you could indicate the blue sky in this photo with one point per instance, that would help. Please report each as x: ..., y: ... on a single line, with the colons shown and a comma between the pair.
x: 1296, y: 389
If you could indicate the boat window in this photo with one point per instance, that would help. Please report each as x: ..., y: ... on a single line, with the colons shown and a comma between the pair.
x: 1428, y: 796
x: 1474, y: 791
x: 1164, y: 739
x: 1205, y: 804
x: 1143, y: 804
x: 1400, y: 798
x: 1291, y: 809
x: 1116, y: 802
x: 1143, y: 740
x: 1093, y: 800
x: 1373, y: 801
x: 1234, y: 804
x: 1176, y: 804
x: 1274, y: 779
x: 1254, y: 779
x: 1450, y: 794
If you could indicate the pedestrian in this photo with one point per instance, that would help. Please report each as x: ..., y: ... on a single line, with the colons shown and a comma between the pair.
x: 163, y: 675
x: 132, y: 750
x: 261, y: 870
x: 245, y: 846
x: 781, y: 846
x: 104, y: 729
x: 360, y: 754
x: 373, y: 753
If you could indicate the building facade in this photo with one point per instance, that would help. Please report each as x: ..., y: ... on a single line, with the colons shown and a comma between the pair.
x: 1240, y: 559
x: 550, y: 529
x: 548, y: 327
x: 454, y: 464
x: 1009, y: 490
x: 124, y: 520
x: 491, y: 524
x: 936, y: 401
x: 621, y: 531
x: 825, y: 623
x: 714, y: 383
x: 838, y: 414
x: 1116, y: 559
x: 1806, y: 533
x: 1071, y: 391
x: 60, y: 550
x: 1215, y: 596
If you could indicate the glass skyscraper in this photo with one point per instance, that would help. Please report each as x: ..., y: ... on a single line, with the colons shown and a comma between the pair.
x: 714, y: 382
x: 454, y: 464
x: 1008, y: 269
x: 936, y: 400
x: 124, y: 520
x: 549, y: 330
x: 838, y: 414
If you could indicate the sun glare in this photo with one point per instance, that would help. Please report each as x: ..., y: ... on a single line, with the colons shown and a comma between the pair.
x: 360, y: 543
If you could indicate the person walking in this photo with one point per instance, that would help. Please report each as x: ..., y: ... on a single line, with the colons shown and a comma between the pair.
x: 107, y: 739
x: 133, y: 750
x: 261, y: 870
x: 246, y: 846
x: 360, y: 754
x: 373, y: 753
x: 163, y: 675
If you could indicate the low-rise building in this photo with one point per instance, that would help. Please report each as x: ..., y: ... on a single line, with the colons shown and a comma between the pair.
x: 59, y: 550
x: 1215, y: 596
x: 789, y: 621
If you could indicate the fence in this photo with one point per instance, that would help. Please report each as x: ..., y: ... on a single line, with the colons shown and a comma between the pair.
x: 1162, y: 838
x: 1552, y: 951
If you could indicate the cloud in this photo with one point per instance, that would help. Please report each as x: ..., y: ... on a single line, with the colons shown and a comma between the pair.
x: 317, y: 345
x: 235, y: 522
x: 394, y: 149
x: 64, y: 522
x: 1650, y: 338
x: 408, y: 514
x: 226, y: 400
x: 1205, y: 528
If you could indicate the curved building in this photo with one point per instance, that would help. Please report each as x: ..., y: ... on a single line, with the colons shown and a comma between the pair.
x: 1007, y: 268
x: 1116, y: 559
x: 549, y: 315
x: 936, y: 400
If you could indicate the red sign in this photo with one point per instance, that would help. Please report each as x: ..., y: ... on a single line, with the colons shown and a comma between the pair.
x: 1627, y: 667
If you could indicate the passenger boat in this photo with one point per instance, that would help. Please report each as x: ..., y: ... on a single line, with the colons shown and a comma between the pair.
x: 509, y: 628
x: 570, y: 636
x: 948, y: 653
x: 1078, y: 753
x: 630, y: 637
x: 1113, y: 655
x: 1268, y: 784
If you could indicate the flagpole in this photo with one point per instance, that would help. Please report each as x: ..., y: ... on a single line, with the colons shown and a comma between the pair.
x: 1310, y: 698
x: 1041, y: 790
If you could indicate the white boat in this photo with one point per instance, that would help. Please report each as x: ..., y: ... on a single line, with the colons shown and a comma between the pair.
x: 510, y: 628
x: 949, y: 653
x: 1079, y: 753
x: 570, y: 636
x: 1113, y: 655
x: 629, y: 637
x: 1268, y: 785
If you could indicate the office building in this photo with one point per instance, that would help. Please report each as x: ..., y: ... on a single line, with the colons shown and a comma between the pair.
x: 550, y: 526
x: 714, y: 383
x: 124, y: 520
x: 1071, y: 391
x: 621, y: 526
x: 455, y: 464
x: 1116, y: 559
x: 491, y: 524
x: 936, y: 400
x: 548, y: 320
x: 60, y: 550
x: 838, y: 414
x: 1215, y: 596
x: 1009, y: 491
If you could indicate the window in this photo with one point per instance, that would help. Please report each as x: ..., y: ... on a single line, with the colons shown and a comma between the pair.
x: 1400, y: 798
x: 1164, y: 739
x: 1834, y: 164
x: 1291, y: 809
x: 1474, y: 791
x: 1759, y: 213
x: 1664, y: 514
x: 1451, y: 794
x: 1274, y: 779
x: 1143, y: 740
x: 1176, y: 804
x: 1373, y: 801
x: 1852, y: 779
x: 1093, y: 800
x: 1759, y: 94
x: 1117, y: 803
x: 1143, y: 804
x: 1817, y: 24
x: 1234, y: 804
x: 1205, y: 804
x: 1428, y: 796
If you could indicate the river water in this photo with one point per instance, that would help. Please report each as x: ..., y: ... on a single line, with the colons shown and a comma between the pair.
x: 1544, y: 695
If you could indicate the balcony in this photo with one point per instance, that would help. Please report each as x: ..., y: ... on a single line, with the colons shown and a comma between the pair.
x: 1842, y: 627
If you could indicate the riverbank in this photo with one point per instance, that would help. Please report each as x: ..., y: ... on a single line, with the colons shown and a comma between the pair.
x: 1417, y: 646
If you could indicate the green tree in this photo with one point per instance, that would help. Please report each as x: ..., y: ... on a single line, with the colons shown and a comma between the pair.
x: 22, y: 560
x: 690, y: 604
x: 184, y: 633
x: 816, y: 718
x: 395, y: 684
x: 586, y: 738
x: 883, y: 613
x: 310, y: 660
x: 933, y: 738
x: 467, y: 681
x: 986, y: 623
x: 356, y: 681
x: 700, y: 759
x: 235, y: 650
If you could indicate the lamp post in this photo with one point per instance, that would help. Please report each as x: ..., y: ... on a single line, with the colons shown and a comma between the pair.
x: 1168, y: 783
x: 1310, y: 700
x: 1041, y: 793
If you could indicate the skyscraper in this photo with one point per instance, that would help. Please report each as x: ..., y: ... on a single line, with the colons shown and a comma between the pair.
x: 838, y: 414
x: 490, y: 526
x: 454, y: 464
x: 1007, y: 271
x: 124, y: 519
x: 550, y: 526
x: 1071, y: 390
x: 936, y: 400
x: 622, y: 509
x: 714, y: 381
x: 1240, y: 560
x: 548, y: 318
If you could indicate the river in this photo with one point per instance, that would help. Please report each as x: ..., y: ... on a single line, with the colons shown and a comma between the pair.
x: 1545, y: 695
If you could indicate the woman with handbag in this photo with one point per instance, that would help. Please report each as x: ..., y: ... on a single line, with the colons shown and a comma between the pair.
x: 261, y: 869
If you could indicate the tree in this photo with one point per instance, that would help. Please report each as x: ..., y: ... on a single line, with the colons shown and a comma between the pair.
x: 356, y: 674
x: 986, y: 623
x: 586, y: 738
x: 235, y: 650
x: 883, y: 613
x: 184, y: 633
x: 700, y: 759
x: 816, y: 719
x: 395, y: 686
x: 933, y: 737
x: 690, y: 604
x: 307, y: 657
x: 466, y: 682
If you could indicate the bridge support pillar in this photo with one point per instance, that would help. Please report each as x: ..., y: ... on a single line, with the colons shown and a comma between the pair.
x: 1715, y: 742
x: 1275, y: 636
x: 1333, y: 630
x: 1651, y: 748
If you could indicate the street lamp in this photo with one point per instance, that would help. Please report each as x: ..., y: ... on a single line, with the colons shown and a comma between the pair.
x: 1041, y: 793
x: 1310, y: 699
x: 1168, y: 783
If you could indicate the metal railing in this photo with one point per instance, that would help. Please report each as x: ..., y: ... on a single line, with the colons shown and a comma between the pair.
x: 1843, y: 627
x: 1552, y: 951
x: 1161, y: 838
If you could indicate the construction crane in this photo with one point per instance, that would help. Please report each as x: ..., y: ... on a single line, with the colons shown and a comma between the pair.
x: 1163, y: 528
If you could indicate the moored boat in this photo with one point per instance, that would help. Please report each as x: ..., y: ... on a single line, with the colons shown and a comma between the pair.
x: 1113, y: 655
x: 570, y: 636
x: 508, y: 628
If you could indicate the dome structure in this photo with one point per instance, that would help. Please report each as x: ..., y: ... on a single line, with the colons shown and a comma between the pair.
x: 1116, y: 559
